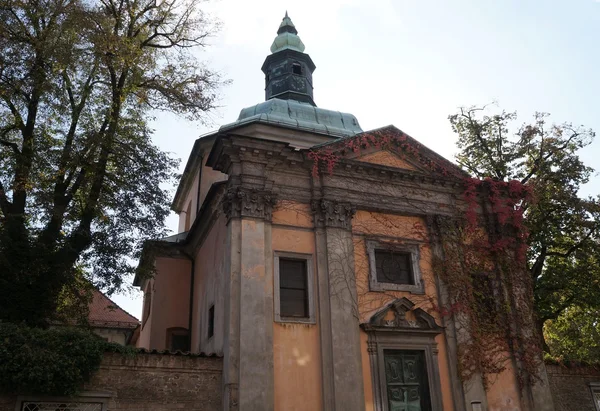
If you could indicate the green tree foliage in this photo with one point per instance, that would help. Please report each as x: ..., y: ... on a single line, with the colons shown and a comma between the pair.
x: 575, y: 335
x: 80, y: 180
x: 564, y: 241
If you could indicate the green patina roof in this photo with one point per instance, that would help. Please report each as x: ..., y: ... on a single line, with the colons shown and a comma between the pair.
x: 287, y: 37
x: 290, y: 112
x: 298, y: 115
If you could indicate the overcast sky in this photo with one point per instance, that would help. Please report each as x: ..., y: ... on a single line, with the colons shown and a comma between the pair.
x: 410, y: 63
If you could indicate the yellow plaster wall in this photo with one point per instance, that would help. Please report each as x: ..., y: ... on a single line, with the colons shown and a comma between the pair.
x: 387, y: 158
x: 292, y: 214
x: 143, y: 340
x: 209, y: 176
x: 170, y: 300
x: 191, y: 201
x: 296, y: 348
x: 195, y: 199
x: 209, y: 284
x: 395, y: 229
x: 503, y: 393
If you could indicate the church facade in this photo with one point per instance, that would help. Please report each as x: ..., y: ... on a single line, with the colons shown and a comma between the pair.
x: 306, y: 258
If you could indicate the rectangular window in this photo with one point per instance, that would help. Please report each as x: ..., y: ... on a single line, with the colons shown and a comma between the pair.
x: 178, y: 339
x: 293, y: 288
x: 211, y: 321
x: 406, y: 383
x: 394, y: 267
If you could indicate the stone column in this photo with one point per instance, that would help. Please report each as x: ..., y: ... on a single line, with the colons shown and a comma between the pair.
x: 248, y: 363
x: 338, y: 309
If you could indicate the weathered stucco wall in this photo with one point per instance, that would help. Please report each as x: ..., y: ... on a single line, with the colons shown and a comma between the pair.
x: 170, y: 301
x: 112, y: 335
x: 191, y: 204
x: 146, y: 326
x: 570, y: 387
x: 209, y: 272
x: 193, y: 199
x: 503, y: 392
x: 151, y: 382
x: 296, y: 347
x: 209, y: 176
x: 396, y: 229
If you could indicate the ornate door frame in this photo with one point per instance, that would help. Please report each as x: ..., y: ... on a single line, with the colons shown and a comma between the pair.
x: 402, y: 334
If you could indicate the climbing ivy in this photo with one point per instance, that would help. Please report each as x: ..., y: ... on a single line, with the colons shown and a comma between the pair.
x: 483, y: 262
x: 56, y: 361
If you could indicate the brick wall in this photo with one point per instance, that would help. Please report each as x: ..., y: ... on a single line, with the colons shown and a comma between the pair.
x: 148, y: 382
x: 570, y: 387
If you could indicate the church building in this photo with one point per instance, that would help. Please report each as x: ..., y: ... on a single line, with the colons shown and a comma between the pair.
x: 306, y: 258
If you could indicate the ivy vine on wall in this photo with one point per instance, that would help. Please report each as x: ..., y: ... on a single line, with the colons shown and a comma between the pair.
x: 482, y: 262
x: 56, y: 361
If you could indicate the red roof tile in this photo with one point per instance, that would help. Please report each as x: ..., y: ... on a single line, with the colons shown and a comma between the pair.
x: 105, y: 313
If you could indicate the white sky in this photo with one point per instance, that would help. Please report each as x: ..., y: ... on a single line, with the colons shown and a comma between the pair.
x: 410, y: 63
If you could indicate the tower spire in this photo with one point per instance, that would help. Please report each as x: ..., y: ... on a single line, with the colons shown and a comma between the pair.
x: 288, y: 70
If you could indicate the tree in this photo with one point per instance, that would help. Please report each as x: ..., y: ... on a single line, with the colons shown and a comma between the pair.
x: 575, y: 335
x: 80, y: 180
x: 564, y: 241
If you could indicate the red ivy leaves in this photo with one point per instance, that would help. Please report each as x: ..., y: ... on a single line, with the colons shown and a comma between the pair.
x: 329, y: 156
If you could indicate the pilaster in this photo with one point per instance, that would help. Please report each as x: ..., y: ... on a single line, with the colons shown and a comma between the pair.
x: 248, y: 363
x: 477, y: 392
x: 340, y: 332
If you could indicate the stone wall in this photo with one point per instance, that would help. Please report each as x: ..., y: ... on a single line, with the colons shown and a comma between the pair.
x: 570, y: 386
x: 150, y: 382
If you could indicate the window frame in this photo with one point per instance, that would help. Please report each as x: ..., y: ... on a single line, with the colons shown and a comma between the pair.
x: 412, y: 248
x: 297, y: 64
x: 179, y: 332
x: 210, y: 323
x: 83, y: 397
x: 595, y: 389
x: 311, y: 319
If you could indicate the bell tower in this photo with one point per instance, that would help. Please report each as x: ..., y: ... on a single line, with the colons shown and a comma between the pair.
x: 288, y: 70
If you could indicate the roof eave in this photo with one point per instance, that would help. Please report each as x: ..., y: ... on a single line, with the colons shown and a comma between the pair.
x: 187, y: 178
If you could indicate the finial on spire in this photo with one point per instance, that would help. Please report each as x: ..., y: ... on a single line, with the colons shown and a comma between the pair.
x: 287, y: 37
x: 287, y: 26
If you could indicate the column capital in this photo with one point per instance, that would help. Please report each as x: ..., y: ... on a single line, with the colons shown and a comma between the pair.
x: 248, y: 202
x: 332, y: 213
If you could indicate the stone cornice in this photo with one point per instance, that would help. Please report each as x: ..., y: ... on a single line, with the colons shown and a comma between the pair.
x: 241, y: 202
x: 231, y: 149
x: 332, y: 213
x: 353, y: 168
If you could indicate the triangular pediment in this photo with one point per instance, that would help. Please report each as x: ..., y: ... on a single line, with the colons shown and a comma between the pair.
x: 391, y: 148
x: 389, y: 159
x: 401, y: 315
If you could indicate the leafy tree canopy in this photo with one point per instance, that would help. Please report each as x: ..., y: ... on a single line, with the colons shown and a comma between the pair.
x: 80, y: 179
x: 564, y: 240
x: 575, y: 335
